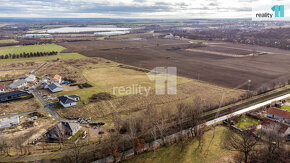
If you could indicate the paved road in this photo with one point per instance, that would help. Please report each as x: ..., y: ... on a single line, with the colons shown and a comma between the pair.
x: 246, y: 109
x: 46, y: 108
x: 37, y: 69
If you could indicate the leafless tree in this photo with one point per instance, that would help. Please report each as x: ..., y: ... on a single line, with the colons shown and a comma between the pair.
x: 273, y: 149
x: 160, y: 125
x: 133, y: 133
x: 76, y: 152
x: 195, y: 115
x: 243, y: 142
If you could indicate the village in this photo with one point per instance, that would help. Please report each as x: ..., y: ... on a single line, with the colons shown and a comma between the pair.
x: 42, y: 125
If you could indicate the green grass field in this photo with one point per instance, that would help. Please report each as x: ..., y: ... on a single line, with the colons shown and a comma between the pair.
x: 213, y: 153
x: 8, y: 41
x: 30, y: 48
x: 285, y: 107
x: 46, y: 58
x: 245, y: 122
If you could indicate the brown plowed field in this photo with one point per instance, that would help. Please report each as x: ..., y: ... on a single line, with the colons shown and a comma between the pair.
x: 221, y: 70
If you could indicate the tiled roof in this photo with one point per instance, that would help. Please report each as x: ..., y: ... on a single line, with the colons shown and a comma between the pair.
x: 57, y: 77
x: 2, y: 87
x: 282, y: 128
x: 279, y: 112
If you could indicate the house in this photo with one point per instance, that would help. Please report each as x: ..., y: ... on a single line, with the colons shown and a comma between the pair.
x: 63, y: 130
x: 279, y: 115
x: 68, y: 101
x: 9, y: 122
x: 17, y: 84
x: 56, y: 79
x: 55, y: 87
x: 2, y: 88
x: 270, y: 126
x: 14, y: 95
x: 30, y: 78
x: 170, y: 36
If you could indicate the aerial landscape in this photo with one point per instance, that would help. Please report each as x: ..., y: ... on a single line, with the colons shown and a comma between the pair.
x: 143, y: 81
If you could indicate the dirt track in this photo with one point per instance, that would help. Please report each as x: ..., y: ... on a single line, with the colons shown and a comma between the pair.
x: 221, y: 70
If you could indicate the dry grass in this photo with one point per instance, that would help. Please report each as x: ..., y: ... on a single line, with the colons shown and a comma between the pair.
x: 63, y: 69
x: 4, y: 75
x: 211, y: 153
x: 19, y: 106
x: 23, y: 65
x: 104, y: 78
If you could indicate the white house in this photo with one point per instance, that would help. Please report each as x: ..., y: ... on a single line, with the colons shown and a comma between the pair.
x: 17, y: 84
x: 279, y: 115
x: 170, y: 36
x: 55, y: 87
x: 68, y: 101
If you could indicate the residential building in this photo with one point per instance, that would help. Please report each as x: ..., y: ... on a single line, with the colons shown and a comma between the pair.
x: 270, y: 126
x: 55, y: 87
x: 56, y: 79
x: 14, y: 95
x: 68, y: 101
x: 279, y: 115
x: 17, y: 84
x: 63, y: 130
x: 2, y: 88
x: 9, y: 122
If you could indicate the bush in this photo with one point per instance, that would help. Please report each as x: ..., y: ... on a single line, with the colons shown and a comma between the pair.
x: 100, y: 97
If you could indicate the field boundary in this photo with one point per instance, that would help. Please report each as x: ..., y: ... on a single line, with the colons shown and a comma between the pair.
x: 219, y: 53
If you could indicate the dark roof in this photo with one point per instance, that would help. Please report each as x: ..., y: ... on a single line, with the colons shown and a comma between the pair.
x: 13, y: 93
x: 52, y: 86
x: 61, y: 129
x: 74, y: 96
x: 279, y: 112
x: 66, y: 99
x: 270, y: 123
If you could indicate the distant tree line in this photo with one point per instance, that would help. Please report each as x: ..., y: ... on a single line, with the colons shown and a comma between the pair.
x: 28, y: 55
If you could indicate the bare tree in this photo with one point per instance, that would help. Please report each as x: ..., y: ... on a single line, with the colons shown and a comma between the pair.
x: 273, y: 149
x: 243, y: 142
x: 133, y: 133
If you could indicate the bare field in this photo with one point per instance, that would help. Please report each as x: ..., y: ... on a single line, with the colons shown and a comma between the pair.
x: 126, y: 105
x: 19, y: 106
x: 221, y: 70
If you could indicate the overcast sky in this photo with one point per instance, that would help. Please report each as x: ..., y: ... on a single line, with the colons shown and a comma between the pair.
x: 126, y: 8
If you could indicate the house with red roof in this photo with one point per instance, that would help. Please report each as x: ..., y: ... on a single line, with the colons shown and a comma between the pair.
x: 2, y: 88
x: 56, y: 79
x: 279, y: 115
x: 270, y: 126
